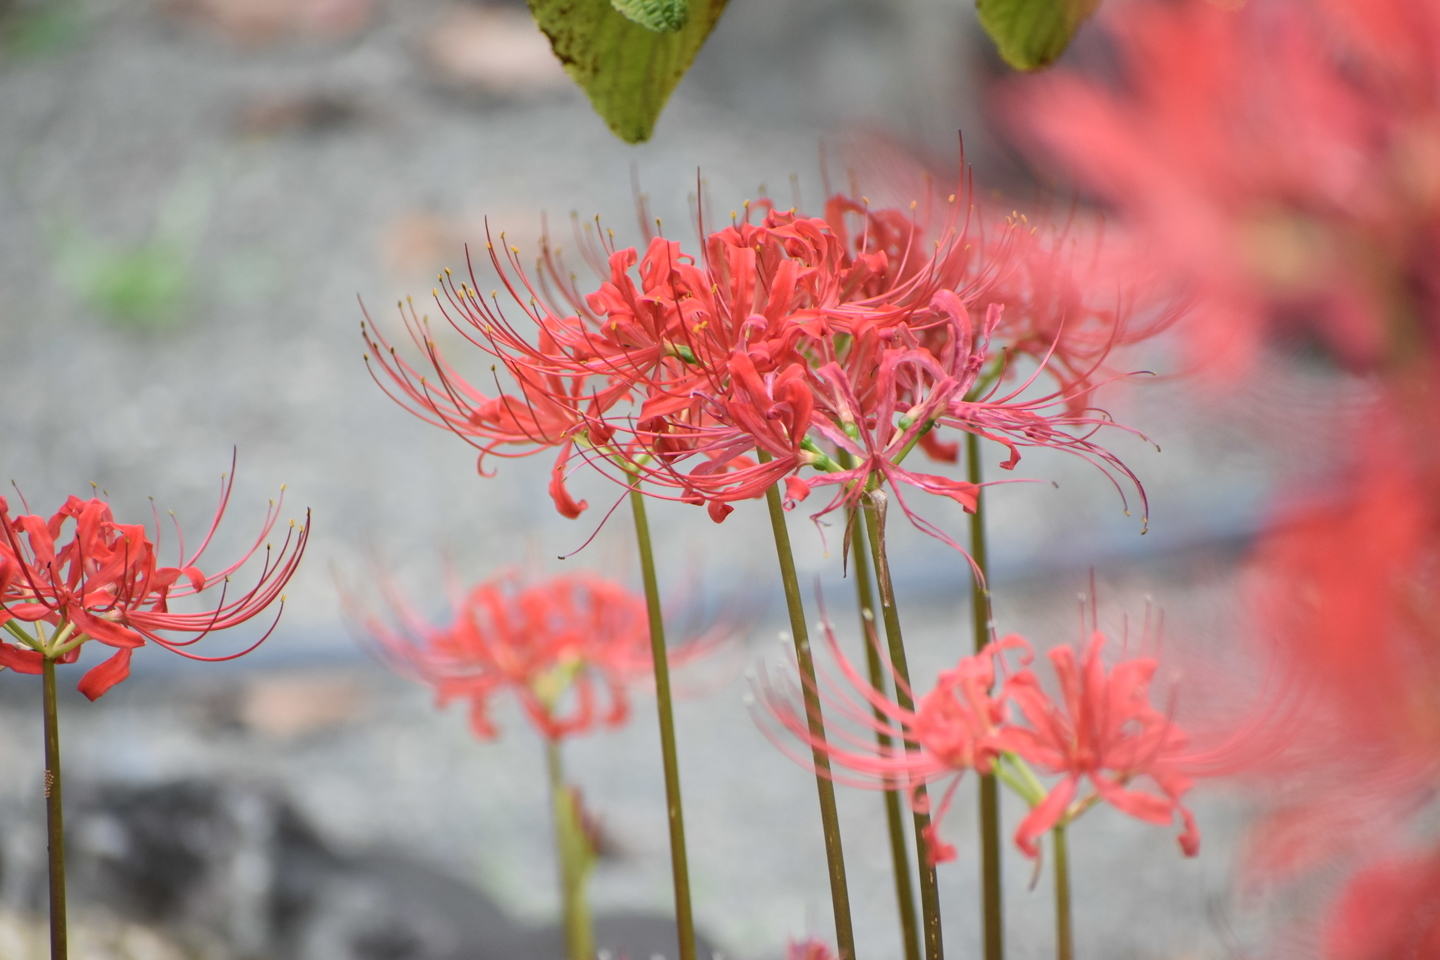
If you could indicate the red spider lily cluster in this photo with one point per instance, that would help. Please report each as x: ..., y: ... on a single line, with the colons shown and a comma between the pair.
x: 989, y: 715
x: 568, y: 647
x: 104, y: 583
x: 807, y: 351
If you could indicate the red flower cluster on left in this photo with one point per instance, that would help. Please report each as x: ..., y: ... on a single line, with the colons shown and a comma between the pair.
x: 105, y: 583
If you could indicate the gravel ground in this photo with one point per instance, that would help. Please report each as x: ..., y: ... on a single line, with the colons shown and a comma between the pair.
x: 273, y: 182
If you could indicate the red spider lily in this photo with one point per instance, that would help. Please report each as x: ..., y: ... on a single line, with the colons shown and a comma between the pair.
x: 957, y: 726
x: 105, y: 584
x: 568, y: 647
x: 1388, y: 911
x: 1280, y: 160
x: 1102, y: 730
x: 789, y: 335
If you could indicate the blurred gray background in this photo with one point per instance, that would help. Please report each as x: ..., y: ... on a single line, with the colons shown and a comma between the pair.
x: 193, y: 195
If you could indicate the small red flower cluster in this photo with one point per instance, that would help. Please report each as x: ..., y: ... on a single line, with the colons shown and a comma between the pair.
x: 808, y: 351
x: 105, y: 583
x: 985, y: 716
x: 568, y: 647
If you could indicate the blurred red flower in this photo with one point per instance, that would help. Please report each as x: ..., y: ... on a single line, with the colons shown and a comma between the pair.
x: 1346, y: 586
x: 568, y: 647
x: 1388, y: 911
x: 104, y: 583
x: 1280, y: 160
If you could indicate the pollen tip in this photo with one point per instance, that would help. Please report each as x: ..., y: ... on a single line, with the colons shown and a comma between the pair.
x: 447, y: 270
x: 282, y: 487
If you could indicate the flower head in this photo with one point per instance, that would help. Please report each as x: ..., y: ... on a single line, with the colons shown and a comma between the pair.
x: 808, y: 351
x: 567, y: 647
x: 1103, y: 731
x: 86, y: 577
x: 989, y: 716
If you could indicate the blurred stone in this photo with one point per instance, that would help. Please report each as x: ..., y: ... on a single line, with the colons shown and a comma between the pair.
x: 263, y: 21
x: 26, y: 936
x: 418, y: 245
x: 295, y: 113
x: 232, y: 871
x: 493, y: 50
x: 287, y: 707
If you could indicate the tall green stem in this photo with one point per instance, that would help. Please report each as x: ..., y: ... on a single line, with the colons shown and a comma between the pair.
x: 679, y: 863
x: 54, y: 819
x: 929, y: 888
x: 992, y: 905
x: 572, y: 849
x: 1064, y: 933
x: 899, y: 853
x: 829, y: 818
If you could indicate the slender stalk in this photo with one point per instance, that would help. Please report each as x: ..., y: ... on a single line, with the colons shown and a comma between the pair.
x: 929, y: 887
x: 829, y: 818
x: 899, y: 852
x: 679, y: 863
x: 570, y: 846
x: 1064, y: 933
x: 991, y: 891
x: 54, y: 819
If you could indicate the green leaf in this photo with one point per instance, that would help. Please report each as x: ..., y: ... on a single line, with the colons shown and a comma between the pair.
x: 1031, y: 34
x: 662, y: 16
x: 627, y: 70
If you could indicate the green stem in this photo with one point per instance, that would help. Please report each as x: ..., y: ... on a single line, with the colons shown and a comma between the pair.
x: 829, y: 819
x: 899, y: 853
x: 54, y: 819
x: 679, y: 863
x: 991, y: 891
x: 570, y: 844
x: 929, y: 888
x: 1064, y: 933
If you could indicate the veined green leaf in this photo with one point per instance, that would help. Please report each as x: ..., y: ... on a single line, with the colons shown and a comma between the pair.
x: 662, y: 16
x: 627, y: 70
x: 1031, y: 34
